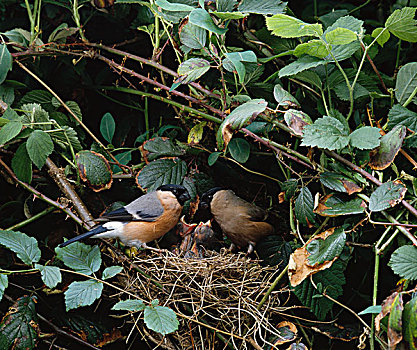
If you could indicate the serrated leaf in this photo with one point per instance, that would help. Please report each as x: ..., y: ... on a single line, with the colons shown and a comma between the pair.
x: 51, y: 275
x: 201, y: 18
x: 284, y: 98
x: 406, y: 82
x: 107, y: 127
x: 36, y: 116
x: 310, y: 78
x: 192, y: 69
x: 340, y: 36
x: 262, y: 7
x: 289, y: 187
x: 123, y: 158
x: 302, y: 64
x: 226, y: 16
x: 22, y: 165
x: 304, y: 205
x: 212, y: 158
x: 82, y: 294
x: 390, y: 144
x: 161, y: 172
x: 39, y: 146
x: 62, y: 137
x: 95, y: 170
x: 332, y: 280
x: 160, y: 147
x: 193, y: 36
x: 173, y: 6
x: 401, y: 115
x: 366, y: 137
x: 239, y: 149
x: 4, y: 282
x: 327, y: 132
x: 80, y: 257
x: 19, y: 327
x: 234, y: 62
x: 323, y: 249
x: 274, y: 250
x: 5, y: 62
x: 410, y: 323
x: 41, y: 97
x: 387, y: 195
x: 404, y: 262
x: 315, y: 48
x: 196, y: 133
x: 10, y: 131
x: 296, y: 121
x: 25, y: 247
x: 75, y: 108
x: 161, y: 319
x: 129, y: 305
x: 239, y: 118
x: 402, y: 24
x: 333, y: 206
x: 290, y: 27
x: 111, y: 271
x: 339, y: 182
x: 225, y: 5
x: 61, y: 33
x: 382, y: 35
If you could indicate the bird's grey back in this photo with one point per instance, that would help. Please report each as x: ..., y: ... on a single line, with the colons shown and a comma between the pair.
x: 146, y: 207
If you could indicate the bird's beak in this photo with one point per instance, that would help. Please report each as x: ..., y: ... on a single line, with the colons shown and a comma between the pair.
x: 204, y: 205
x: 184, y: 197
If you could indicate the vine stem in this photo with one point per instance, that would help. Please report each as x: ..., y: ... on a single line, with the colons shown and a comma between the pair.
x: 31, y: 219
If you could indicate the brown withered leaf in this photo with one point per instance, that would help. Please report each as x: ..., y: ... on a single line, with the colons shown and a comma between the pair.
x: 384, y: 155
x: 395, y: 325
x: 109, y: 338
x: 287, y: 332
x: 386, y: 309
x: 94, y: 169
x: 296, y: 121
x: 298, y: 266
x: 351, y: 187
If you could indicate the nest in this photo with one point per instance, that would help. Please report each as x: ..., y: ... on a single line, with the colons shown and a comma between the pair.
x: 216, y: 299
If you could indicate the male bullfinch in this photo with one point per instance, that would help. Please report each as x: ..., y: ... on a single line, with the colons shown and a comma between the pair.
x: 145, y: 219
x: 244, y: 223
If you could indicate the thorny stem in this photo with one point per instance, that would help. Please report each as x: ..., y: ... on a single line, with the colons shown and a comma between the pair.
x: 32, y: 218
x: 272, y: 287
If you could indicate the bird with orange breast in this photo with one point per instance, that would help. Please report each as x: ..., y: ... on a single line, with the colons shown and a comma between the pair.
x: 242, y: 222
x: 144, y: 220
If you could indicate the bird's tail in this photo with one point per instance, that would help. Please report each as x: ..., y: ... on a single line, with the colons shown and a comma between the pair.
x: 95, y: 231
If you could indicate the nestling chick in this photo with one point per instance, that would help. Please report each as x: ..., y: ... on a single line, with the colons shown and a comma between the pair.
x: 243, y: 222
x: 145, y: 219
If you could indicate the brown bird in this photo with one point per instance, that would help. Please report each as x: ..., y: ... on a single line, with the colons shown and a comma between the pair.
x: 244, y: 223
x: 145, y: 219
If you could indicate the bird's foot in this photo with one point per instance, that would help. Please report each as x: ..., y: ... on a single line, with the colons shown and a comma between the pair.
x: 251, y: 248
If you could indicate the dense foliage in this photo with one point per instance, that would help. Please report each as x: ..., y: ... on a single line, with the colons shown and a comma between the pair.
x: 307, y: 108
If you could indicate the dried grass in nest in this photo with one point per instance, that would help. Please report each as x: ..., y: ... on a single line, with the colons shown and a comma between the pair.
x: 216, y: 298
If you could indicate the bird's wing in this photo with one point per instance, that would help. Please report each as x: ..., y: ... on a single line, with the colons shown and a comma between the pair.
x: 145, y: 208
x: 256, y: 214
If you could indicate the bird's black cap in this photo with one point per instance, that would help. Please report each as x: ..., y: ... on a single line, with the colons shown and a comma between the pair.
x: 178, y: 190
x: 208, y: 196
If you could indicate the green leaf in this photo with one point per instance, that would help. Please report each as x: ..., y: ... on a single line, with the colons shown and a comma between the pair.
x: 233, y: 61
x: 111, y: 271
x: 404, y: 262
x: 193, y: 36
x: 196, y: 133
x: 75, y: 108
x: 406, y: 82
x: 262, y: 7
x: 82, y: 294
x: 239, y: 149
x: 290, y: 27
x: 386, y: 196
x: 410, y: 323
x: 384, y: 155
x: 161, y: 172
x: 339, y: 182
x: 366, y: 137
x: 333, y: 206
x: 39, y: 146
x: 332, y: 279
x: 302, y: 64
x: 327, y: 132
x: 22, y: 165
x: 310, y: 78
x: 402, y: 24
x: 36, y: 116
x: 381, y: 38
x: 296, y: 121
x: 160, y: 147
x: 225, y: 5
x: 193, y: 69
x: 323, y: 250
x: 19, y: 327
x: 304, y: 205
x: 94, y: 169
x: 315, y: 48
x: 25, y: 247
x: 374, y: 309
x: 289, y: 187
x: 173, y: 6
x: 10, y: 131
x: 201, y: 18
x: 4, y: 282
x: 212, y: 158
x: 395, y: 321
x: 61, y: 33
x: 129, y: 305
x: 51, y: 275
x: 61, y: 138
x: 274, y: 250
x: 284, y: 98
x: 401, y: 115
x: 5, y: 62
x: 161, y: 319
x: 40, y: 97
x: 340, y: 36
x: 226, y: 16
x: 107, y: 127
x: 123, y: 158
x: 80, y: 257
